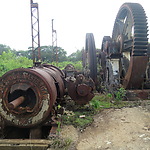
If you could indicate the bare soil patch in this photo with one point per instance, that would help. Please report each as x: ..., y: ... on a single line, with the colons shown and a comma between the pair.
x: 113, y: 129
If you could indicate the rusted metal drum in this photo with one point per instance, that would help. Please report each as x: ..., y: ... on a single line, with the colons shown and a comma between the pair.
x: 80, y: 89
x: 28, y: 95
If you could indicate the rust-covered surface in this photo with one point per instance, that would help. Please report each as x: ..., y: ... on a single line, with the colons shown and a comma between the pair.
x: 136, y: 72
x: 128, y: 44
x: 39, y: 97
x: 80, y: 89
x: 91, y: 60
x: 138, y: 94
x: 29, y: 98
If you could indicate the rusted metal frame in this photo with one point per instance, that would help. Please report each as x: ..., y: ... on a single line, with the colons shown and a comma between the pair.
x: 35, y: 31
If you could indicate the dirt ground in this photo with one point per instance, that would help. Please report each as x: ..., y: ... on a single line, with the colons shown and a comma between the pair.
x: 113, y: 129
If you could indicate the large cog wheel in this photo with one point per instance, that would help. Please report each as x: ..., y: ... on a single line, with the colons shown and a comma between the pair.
x: 130, y: 44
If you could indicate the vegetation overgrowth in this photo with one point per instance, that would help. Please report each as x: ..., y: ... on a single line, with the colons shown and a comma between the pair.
x: 11, y: 59
x: 62, y: 65
x: 82, y: 116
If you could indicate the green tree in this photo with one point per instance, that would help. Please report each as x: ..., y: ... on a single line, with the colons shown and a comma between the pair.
x: 24, y: 53
x: 76, y: 56
x: 9, y: 61
x: 4, y: 48
x: 48, y: 54
x: 62, y: 54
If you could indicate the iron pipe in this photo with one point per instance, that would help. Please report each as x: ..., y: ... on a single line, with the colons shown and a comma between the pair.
x: 15, y: 103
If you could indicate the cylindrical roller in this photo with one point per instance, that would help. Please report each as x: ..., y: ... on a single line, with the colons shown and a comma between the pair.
x: 15, y: 103
x: 40, y: 86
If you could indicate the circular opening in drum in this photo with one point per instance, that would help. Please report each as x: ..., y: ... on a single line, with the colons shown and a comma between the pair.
x: 22, y: 100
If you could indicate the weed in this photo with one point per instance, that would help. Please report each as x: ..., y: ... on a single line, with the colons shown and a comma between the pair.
x: 95, y: 104
x: 59, y: 106
x: 120, y: 94
x: 79, y: 119
x: 82, y: 116
x: 61, y: 143
x: 109, y: 95
x: 83, y: 122
x: 120, y: 104
x: 101, y: 101
x: 58, y: 127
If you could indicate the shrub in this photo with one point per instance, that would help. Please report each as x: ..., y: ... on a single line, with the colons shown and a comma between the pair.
x: 10, y: 61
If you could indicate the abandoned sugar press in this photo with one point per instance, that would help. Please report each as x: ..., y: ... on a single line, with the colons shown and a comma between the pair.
x: 29, y: 98
x: 123, y: 60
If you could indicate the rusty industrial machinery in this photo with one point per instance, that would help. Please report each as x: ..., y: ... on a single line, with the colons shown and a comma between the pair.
x: 123, y: 58
x: 35, y: 31
x: 89, y: 61
x: 29, y: 98
x: 127, y: 49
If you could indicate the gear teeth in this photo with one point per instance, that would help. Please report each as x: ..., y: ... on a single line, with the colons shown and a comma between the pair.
x: 140, y: 40
x: 140, y: 28
x: 131, y: 25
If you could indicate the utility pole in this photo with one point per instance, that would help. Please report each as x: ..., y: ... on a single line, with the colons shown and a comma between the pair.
x: 54, y: 43
x: 35, y: 32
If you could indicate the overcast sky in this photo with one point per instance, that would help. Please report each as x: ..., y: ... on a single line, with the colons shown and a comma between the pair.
x: 72, y: 20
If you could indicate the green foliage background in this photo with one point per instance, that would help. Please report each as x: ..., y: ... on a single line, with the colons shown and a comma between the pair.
x: 12, y: 59
x: 9, y: 61
x: 62, y: 65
